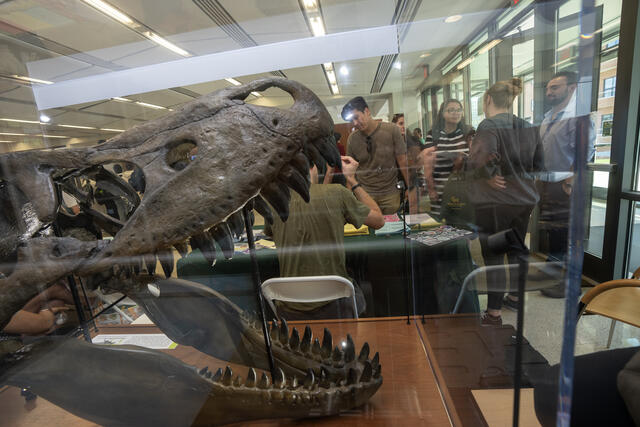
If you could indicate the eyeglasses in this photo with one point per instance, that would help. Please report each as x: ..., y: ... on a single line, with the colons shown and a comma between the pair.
x: 368, y: 138
x: 453, y: 110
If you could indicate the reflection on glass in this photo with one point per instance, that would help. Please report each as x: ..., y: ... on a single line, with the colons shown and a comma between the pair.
x: 633, y: 260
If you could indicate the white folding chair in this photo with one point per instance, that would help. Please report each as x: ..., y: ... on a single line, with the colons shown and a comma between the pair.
x: 548, y: 273
x: 308, y: 289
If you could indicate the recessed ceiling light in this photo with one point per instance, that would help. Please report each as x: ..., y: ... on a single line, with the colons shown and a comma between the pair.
x: 424, y: 55
x: 465, y: 62
x: 109, y: 10
x: 33, y: 134
x: 76, y: 127
x: 344, y: 70
x: 32, y: 80
x: 166, y: 43
x: 117, y: 98
x: 453, y: 18
x: 489, y: 46
x: 331, y: 76
x: 233, y: 81
x: 19, y: 121
x: 309, y: 4
x: 317, y: 26
x: 155, y: 107
x: 44, y: 118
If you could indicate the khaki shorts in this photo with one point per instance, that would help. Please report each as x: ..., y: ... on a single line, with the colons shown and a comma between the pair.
x: 388, y: 203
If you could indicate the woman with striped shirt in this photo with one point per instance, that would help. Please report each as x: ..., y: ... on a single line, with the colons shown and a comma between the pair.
x: 446, y: 147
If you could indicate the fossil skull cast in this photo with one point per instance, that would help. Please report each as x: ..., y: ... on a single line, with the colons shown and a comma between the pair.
x: 245, y: 154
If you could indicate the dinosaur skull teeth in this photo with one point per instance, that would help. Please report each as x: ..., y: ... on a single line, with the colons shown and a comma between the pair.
x: 310, y: 382
x: 339, y: 356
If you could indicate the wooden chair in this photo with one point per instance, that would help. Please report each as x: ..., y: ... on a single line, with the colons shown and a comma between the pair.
x: 618, y: 300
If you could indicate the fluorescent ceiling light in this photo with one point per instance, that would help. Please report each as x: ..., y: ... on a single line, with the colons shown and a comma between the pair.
x: 109, y: 10
x: 310, y: 4
x: 7, y: 141
x: 32, y: 80
x: 328, y: 65
x: 465, y: 62
x: 233, y: 81
x: 76, y: 127
x: 344, y: 70
x: 166, y: 43
x: 256, y: 94
x: 44, y: 118
x: 453, y: 18
x: 155, y: 107
x: 489, y: 46
x: 33, y: 134
x: 424, y: 55
x: 117, y: 98
x: 20, y: 121
x: 397, y: 65
x: 332, y: 77
x: 317, y: 26
x: 335, y: 90
x: 112, y: 130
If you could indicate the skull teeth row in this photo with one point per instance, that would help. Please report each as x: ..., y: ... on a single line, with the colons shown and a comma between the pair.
x: 310, y: 382
x: 323, y: 351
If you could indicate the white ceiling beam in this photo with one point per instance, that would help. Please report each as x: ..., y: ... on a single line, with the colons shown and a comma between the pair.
x: 344, y: 46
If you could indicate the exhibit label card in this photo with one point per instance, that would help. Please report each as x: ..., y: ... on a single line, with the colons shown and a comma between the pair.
x: 155, y: 341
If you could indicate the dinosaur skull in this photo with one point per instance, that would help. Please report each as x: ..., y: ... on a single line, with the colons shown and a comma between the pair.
x: 245, y: 154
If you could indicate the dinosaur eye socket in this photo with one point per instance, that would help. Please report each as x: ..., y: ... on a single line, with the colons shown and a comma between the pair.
x: 181, y: 153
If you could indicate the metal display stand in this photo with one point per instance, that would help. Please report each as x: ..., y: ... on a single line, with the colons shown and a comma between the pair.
x: 255, y: 274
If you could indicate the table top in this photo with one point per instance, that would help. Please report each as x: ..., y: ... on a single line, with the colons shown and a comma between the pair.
x: 409, y: 394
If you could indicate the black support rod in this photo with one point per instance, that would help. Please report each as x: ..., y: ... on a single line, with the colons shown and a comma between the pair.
x: 255, y: 274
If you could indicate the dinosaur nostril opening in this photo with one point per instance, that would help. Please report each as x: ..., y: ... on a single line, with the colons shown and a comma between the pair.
x: 180, y: 153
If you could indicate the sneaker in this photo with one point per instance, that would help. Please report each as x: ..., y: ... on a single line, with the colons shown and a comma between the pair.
x: 510, y: 304
x: 556, y: 291
x: 490, y: 320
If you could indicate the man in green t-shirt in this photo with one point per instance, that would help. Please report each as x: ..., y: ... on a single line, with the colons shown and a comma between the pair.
x: 310, y: 242
x: 380, y: 149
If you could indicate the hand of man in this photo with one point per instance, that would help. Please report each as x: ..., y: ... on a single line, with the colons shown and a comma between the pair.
x: 428, y: 159
x: 49, y: 318
x: 349, y: 167
x: 497, y: 182
x: 567, y: 186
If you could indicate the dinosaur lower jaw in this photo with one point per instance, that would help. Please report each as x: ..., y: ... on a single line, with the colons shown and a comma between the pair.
x: 138, y: 386
x: 186, y: 310
x: 234, y: 400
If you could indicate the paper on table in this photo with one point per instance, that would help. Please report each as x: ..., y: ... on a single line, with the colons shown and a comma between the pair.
x: 391, y: 228
x: 266, y: 243
x: 156, y: 341
x: 422, y: 220
x: 350, y: 230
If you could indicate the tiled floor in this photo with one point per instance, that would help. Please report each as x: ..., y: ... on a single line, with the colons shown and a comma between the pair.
x: 543, y: 324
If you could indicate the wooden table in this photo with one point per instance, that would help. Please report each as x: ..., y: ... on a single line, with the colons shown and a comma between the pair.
x: 474, y: 364
x: 409, y: 395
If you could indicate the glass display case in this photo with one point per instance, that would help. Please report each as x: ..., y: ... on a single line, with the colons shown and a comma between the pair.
x: 337, y: 212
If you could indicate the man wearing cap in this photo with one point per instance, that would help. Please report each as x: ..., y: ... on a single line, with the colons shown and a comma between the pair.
x: 380, y: 150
